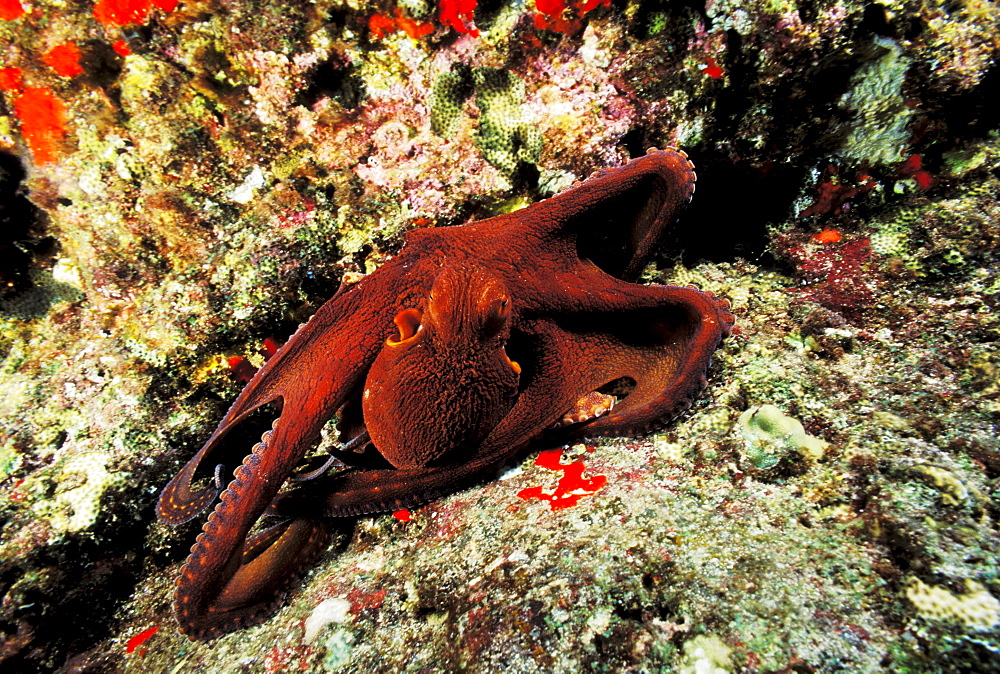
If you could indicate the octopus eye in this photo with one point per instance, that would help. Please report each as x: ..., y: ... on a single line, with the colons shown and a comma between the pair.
x: 496, y: 317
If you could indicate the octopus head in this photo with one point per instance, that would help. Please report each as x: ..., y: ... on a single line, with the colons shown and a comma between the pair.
x: 445, y: 381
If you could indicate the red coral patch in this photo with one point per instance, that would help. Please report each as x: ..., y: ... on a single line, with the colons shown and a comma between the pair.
x: 828, y: 236
x: 11, y: 79
x: 64, y: 59
x: 141, y: 638
x: 124, y: 12
x: 913, y: 168
x: 10, y: 10
x: 43, y: 122
x: 712, y: 69
x: 564, y: 16
x: 381, y: 25
x: 458, y: 15
x: 572, y: 485
x: 832, y: 193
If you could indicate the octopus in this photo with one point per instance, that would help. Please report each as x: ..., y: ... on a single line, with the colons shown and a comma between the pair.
x: 471, y: 344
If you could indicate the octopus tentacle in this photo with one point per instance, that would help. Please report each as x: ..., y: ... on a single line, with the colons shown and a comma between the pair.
x: 301, y: 364
x: 227, y: 582
x: 590, y: 406
x: 664, y: 344
x: 641, y: 197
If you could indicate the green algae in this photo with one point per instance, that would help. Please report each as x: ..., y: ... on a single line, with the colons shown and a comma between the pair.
x: 770, y: 435
x: 706, y: 655
x: 451, y: 89
x: 506, y: 133
x: 76, y: 508
x: 879, y: 132
x: 10, y: 460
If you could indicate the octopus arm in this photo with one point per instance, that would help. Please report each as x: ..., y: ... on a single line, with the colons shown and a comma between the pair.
x: 653, y: 356
x: 228, y: 581
x: 308, y: 378
x: 616, y: 217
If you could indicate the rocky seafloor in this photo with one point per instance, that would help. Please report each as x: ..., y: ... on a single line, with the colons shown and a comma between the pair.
x: 180, y: 181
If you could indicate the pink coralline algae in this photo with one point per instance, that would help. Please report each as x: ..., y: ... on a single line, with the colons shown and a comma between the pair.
x: 837, y: 274
x: 589, y: 118
x: 572, y: 485
x: 289, y: 659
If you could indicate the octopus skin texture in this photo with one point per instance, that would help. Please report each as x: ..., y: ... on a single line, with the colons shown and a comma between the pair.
x: 442, y: 366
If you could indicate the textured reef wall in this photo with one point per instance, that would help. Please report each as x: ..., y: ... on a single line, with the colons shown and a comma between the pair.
x: 181, y: 181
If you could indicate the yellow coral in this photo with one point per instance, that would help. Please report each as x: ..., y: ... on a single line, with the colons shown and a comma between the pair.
x: 706, y: 654
x: 668, y: 451
x: 209, y: 368
x: 953, y: 492
x: 889, y: 241
x: 977, y: 609
x: 77, y: 508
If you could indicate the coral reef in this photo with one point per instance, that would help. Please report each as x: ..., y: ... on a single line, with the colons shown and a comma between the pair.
x: 506, y: 135
x: 181, y: 181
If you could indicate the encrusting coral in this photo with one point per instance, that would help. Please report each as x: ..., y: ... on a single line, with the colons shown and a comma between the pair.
x: 506, y: 132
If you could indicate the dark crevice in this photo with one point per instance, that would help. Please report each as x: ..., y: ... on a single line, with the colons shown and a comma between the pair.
x: 235, y: 445
x: 970, y: 115
x: 734, y: 202
x: 742, y: 187
x: 334, y: 79
x: 875, y: 21
x: 23, y: 240
x: 733, y: 101
x: 807, y: 11
x: 106, y: 567
x: 101, y: 65
x: 634, y: 142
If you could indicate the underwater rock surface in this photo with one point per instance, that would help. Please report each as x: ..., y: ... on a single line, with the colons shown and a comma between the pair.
x: 181, y: 182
